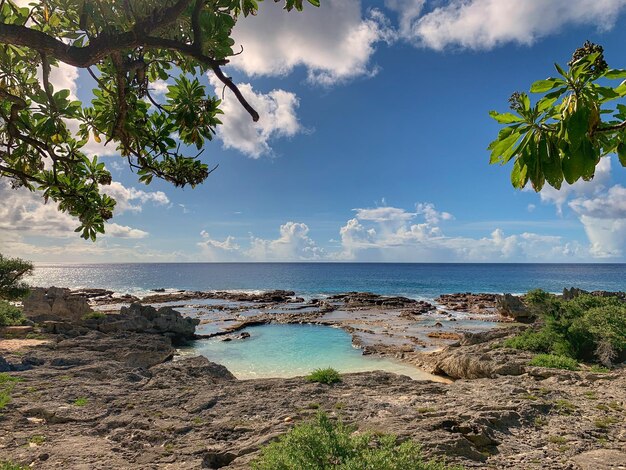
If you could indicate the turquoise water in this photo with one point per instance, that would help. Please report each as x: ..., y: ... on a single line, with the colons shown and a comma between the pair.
x: 294, y: 350
x: 310, y: 279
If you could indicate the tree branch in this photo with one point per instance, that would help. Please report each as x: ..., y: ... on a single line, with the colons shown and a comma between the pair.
x: 614, y: 127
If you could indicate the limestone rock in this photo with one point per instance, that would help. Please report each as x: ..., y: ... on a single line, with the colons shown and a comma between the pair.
x: 55, y: 303
x: 511, y: 306
x: 147, y: 319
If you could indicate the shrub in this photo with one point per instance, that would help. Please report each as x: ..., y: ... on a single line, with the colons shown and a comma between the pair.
x: 10, y: 314
x: 12, y: 270
x: 327, y: 376
x: 554, y: 361
x: 586, y: 327
x: 323, y: 444
x: 94, y: 316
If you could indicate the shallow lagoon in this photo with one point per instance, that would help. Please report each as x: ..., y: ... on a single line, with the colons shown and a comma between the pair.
x: 295, y: 350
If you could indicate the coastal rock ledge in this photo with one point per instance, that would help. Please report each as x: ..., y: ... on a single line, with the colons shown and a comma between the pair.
x: 116, y: 400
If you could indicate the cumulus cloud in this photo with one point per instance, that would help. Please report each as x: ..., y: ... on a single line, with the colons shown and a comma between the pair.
x: 131, y: 199
x: 393, y: 234
x: 334, y: 43
x: 293, y: 244
x: 484, y: 24
x: 580, y: 188
x: 604, y: 219
x: 216, y: 250
x: 277, y: 110
x: 25, y: 212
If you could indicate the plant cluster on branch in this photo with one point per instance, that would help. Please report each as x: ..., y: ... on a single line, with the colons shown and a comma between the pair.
x: 125, y: 46
x: 563, y: 135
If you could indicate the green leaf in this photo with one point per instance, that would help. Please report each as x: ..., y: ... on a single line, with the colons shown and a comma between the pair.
x: 621, y: 153
x: 551, y: 162
x: 613, y: 74
x: 499, y: 147
x: 541, y: 86
x: 505, y: 118
x: 519, y: 176
x: 560, y: 70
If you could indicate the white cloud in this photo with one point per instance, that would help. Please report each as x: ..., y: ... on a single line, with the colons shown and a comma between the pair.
x: 62, y: 77
x: 391, y: 234
x: 484, y: 24
x: 334, y: 42
x: 131, y: 199
x: 408, y: 11
x: 559, y: 197
x: 25, y: 212
x: 215, y: 250
x: 384, y: 214
x: 610, y: 205
x: 277, y: 110
x: 293, y: 244
x: 604, y: 219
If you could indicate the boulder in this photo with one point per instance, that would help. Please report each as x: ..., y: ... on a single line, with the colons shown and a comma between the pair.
x: 55, y: 303
x: 511, y: 306
x: 147, y: 319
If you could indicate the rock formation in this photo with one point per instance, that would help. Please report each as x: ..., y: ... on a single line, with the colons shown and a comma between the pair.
x: 55, y: 303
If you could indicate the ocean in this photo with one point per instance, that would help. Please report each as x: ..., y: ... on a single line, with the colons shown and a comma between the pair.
x: 423, y: 281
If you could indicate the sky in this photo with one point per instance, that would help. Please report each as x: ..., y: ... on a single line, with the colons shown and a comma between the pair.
x: 371, y: 146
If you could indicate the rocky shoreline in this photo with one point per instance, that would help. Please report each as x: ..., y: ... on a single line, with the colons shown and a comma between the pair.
x: 103, y: 392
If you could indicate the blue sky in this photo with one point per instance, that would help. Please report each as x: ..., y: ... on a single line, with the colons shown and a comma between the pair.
x: 371, y: 146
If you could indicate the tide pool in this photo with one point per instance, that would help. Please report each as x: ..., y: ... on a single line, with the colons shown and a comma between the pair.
x: 295, y: 350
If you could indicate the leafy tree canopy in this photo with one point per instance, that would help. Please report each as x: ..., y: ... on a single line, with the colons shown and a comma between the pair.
x: 125, y: 45
x: 578, y: 118
x: 12, y: 270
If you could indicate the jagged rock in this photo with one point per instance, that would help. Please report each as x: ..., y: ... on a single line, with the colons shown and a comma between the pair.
x: 368, y: 299
x: 274, y: 296
x: 240, y: 336
x: 573, y: 292
x: 468, y: 302
x: 475, y: 360
x: 55, y: 303
x: 147, y: 319
x: 511, y: 306
x: 421, y: 307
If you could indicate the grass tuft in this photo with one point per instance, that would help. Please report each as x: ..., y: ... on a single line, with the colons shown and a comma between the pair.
x: 326, y: 376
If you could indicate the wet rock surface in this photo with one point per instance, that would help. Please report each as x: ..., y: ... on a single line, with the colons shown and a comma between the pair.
x: 116, y: 401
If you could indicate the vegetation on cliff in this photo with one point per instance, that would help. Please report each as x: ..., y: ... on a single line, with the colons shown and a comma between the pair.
x: 585, y: 328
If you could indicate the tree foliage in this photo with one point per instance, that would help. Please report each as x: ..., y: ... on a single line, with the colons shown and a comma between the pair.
x: 125, y: 46
x: 12, y: 271
x: 578, y: 118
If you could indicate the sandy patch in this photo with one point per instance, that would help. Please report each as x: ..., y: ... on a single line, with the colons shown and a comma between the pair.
x: 17, y: 344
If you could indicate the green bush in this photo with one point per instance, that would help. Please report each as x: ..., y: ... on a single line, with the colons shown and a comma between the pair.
x: 327, y: 376
x: 94, y: 316
x: 585, y: 328
x: 554, y: 361
x: 323, y: 444
x: 10, y: 314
